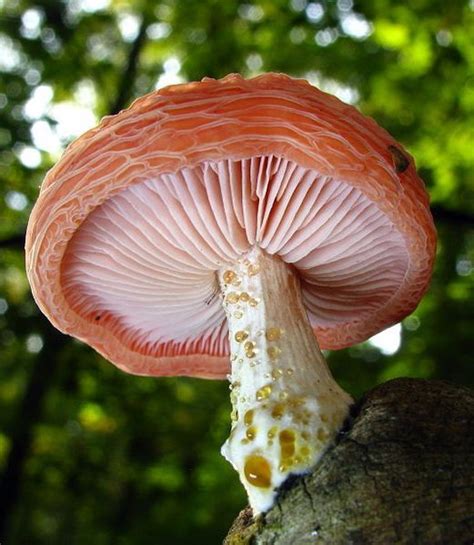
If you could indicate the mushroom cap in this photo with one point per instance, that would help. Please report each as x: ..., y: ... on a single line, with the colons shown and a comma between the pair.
x: 135, y: 219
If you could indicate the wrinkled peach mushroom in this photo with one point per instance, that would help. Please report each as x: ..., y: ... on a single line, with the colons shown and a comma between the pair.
x: 222, y: 227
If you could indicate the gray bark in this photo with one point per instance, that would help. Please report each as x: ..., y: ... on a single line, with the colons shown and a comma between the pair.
x: 400, y: 473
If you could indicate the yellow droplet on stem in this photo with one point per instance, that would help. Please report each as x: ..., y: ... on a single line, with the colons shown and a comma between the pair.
x: 263, y: 392
x: 278, y: 411
x: 232, y: 298
x: 257, y: 471
x: 287, y: 440
x: 273, y: 334
x: 251, y: 433
x: 248, y: 417
x: 273, y: 352
x: 253, y: 269
x: 271, y: 432
x: 229, y: 277
x: 244, y: 297
x: 241, y: 335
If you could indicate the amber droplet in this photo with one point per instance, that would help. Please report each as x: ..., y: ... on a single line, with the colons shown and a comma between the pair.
x: 305, y: 451
x: 273, y: 352
x: 229, y: 277
x: 257, y: 471
x: 232, y: 298
x: 241, y: 335
x: 253, y: 269
x: 278, y: 411
x: 251, y: 433
x: 287, y: 443
x: 244, y: 297
x: 297, y: 401
x: 273, y: 334
x: 276, y: 374
x: 263, y: 392
x: 249, y: 348
x: 272, y: 432
x: 248, y: 417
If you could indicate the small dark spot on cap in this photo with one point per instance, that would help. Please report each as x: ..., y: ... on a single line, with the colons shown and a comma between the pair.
x: 400, y: 160
x: 97, y: 318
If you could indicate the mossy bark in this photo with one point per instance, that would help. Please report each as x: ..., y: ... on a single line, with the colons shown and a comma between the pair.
x: 401, y: 472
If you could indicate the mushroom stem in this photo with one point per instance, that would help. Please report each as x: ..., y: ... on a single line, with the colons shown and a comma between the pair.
x: 286, y: 406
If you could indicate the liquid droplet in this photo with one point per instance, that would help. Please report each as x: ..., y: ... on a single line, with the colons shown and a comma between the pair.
x: 287, y: 444
x: 276, y: 374
x: 271, y: 432
x: 263, y: 392
x: 278, y: 411
x: 232, y: 298
x: 248, y: 417
x: 257, y: 471
x: 273, y: 352
x: 273, y: 334
x: 241, y: 335
x: 229, y: 277
x: 253, y: 269
x: 244, y: 297
x: 305, y: 451
x: 250, y: 350
x: 251, y: 433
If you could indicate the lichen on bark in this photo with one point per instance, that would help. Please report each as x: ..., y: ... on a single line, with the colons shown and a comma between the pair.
x: 400, y: 473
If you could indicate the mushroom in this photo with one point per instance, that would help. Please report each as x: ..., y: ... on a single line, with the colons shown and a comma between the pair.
x: 236, y: 226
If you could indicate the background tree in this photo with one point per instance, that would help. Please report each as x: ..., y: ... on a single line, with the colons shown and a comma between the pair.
x: 91, y: 454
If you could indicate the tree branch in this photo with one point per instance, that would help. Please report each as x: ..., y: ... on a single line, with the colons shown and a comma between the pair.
x: 128, y: 77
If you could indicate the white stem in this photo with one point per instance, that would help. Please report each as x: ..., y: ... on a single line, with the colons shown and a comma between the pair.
x: 287, y: 408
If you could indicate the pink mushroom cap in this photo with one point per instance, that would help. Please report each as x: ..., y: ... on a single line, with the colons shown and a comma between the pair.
x: 134, y: 221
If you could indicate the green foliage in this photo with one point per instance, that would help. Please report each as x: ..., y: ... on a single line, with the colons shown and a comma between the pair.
x: 116, y: 459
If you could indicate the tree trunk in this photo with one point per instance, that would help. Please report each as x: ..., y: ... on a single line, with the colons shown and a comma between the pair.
x: 401, y: 472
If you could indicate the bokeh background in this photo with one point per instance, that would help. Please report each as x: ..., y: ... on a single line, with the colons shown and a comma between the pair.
x: 91, y: 455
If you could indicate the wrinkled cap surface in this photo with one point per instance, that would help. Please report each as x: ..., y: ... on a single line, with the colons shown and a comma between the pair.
x: 133, y: 222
